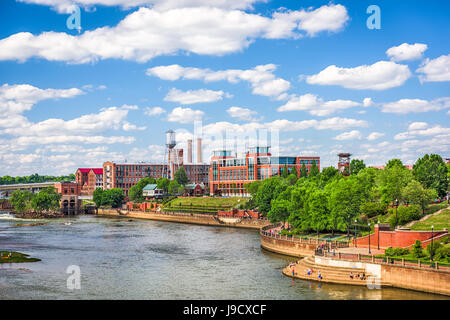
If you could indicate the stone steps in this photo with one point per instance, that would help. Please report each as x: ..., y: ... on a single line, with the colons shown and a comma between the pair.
x: 329, y: 274
x: 309, y: 262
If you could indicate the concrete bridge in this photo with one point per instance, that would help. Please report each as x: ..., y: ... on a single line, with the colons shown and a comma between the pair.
x: 7, y: 189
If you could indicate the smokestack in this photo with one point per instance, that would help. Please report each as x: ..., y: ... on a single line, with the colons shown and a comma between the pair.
x: 189, y: 155
x: 199, y: 150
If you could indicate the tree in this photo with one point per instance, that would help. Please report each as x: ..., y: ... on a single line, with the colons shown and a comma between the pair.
x: 285, y: 172
x: 291, y: 179
x: 113, y: 197
x: 21, y: 200
x: 327, y: 174
x: 346, y: 196
x: 268, y: 190
x: 181, y: 177
x: 97, y: 197
x: 46, y: 200
x: 391, y: 182
x: 313, y: 170
x: 303, y: 172
x: 393, y: 163
x: 417, y: 250
x: 174, y: 187
x: 279, y: 211
x: 415, y: 193
x: 294, y: 171
x: 432, y: 172
x: 317, y: 208
x: 356, y: 165
x: 163, y: 183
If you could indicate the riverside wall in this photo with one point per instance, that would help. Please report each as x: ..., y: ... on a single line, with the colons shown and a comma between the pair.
x: 433, y: 281
x: 286, y: 245
x: 186, y: 218
x: 391, y: 275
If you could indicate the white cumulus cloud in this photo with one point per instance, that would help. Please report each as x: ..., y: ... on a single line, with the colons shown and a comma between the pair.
x: 435, y: 70
x: 148, y: 33
x: 185, y: 115
x: 194, y: 96
x: 316, y: 105
x: 378, y: 76
x: 407, y: 52
x: 260, y: 77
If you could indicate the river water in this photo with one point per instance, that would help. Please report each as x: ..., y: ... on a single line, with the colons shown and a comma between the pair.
x: 121, y: 258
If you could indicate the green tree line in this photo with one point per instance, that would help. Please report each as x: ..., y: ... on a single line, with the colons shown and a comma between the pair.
x: 35, y: 178
x: 332, y: 202
x: 46, y: 200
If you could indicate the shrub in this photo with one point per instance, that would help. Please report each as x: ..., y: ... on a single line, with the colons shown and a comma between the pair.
x: 417, y: 250
x: 392, y: 252
x: 433, y: 247
x: 404, y: 215
x: 443, y: 253
x: 372, y: 209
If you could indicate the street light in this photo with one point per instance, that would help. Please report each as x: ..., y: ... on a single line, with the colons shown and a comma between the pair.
x: 396, y: 219
x: 369, y: 236
x: 432, y: 248
x: 378, y: 246
x: 356, y: 246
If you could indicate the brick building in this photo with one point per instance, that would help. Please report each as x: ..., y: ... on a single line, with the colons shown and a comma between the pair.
x: 228, y: 173
x: 68, y: 188
x: 125, y: 175
x: 89, y: 179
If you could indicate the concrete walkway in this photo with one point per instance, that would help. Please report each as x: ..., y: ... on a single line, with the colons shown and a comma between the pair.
x: 365, y: 251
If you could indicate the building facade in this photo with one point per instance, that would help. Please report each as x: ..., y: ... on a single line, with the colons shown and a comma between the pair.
x: 228, y: 174
x: 125, y: 175
x: 89, y: 179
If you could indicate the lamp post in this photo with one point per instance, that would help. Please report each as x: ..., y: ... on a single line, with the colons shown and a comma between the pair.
x: 432, y: 248
x: 369, y: 236
x: 356, y: 246
x: 378, y: 242
x: 396, y: 219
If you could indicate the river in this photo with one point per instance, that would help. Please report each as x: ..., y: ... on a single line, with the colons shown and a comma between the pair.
x: 121, y: 258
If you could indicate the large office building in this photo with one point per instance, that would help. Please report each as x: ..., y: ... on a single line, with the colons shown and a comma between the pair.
x: 126, y: 175
x: 228, y: 173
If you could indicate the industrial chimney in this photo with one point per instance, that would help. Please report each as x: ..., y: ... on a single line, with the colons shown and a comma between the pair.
x: 189, y: 155
x: 199, y: 150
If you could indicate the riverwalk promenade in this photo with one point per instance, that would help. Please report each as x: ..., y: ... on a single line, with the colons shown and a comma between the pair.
x: 200, y: 219
x: 341, y: 264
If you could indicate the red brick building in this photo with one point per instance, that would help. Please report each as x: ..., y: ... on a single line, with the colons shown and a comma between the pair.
x: 89, y: 179
x: 228, y: 174
x: 68, y: 188
x: 125, y: 175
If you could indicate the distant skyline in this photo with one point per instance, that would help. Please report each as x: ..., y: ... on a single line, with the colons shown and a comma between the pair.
x: 312, y: 70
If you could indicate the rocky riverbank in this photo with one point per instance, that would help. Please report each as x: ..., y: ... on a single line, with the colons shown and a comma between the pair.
x: 38, y: 215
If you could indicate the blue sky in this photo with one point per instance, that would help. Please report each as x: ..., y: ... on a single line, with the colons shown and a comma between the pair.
x: 310, y: 72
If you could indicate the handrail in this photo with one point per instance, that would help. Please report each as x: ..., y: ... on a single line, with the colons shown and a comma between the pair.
x: 387, y: 261
x: 333, y: 243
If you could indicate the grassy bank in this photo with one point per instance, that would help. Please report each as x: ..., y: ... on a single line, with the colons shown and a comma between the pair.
x: 439, y: 222
x: 16, y: 257
x: 202, y: 205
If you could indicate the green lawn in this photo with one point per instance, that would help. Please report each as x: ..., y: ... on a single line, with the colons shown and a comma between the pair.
x: 16, y: 257
x: 439, y: 222
x: 208, y: 201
